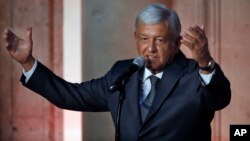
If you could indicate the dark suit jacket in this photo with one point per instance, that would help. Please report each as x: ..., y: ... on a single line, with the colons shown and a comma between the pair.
x: 182, y: 109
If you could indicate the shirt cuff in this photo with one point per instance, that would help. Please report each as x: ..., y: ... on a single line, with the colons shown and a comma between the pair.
x: 29, y: 73
x: 206, y: 78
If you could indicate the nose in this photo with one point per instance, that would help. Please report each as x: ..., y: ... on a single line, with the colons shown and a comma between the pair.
x: 152, y: 46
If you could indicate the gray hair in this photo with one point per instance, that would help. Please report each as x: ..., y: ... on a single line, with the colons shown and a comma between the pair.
x: 156, y: 13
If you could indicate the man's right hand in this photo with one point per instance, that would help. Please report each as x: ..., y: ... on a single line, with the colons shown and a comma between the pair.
x: 20, y: 49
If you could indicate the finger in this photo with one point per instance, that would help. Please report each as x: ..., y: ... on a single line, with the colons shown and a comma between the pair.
x: 6, y: 31
x: 201, y: 37
x: 193, y: 32
x: 4, y: 36
x: 9, y: 36
x: 203, y: 28
x: 192, y: 40
x: 196, y: 31
x: 199, y: 30
x: 188, y: 37
x: 9, y: 46
x: 29, y: 34
x: 187, y: 44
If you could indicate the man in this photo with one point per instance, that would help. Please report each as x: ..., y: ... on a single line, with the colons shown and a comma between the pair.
x: 172, y: 98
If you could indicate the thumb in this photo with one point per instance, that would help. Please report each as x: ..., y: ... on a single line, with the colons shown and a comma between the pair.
x: 29, y: 34
x: 203, y: 27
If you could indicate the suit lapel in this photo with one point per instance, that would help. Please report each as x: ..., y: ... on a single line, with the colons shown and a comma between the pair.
x: 132, y: 96
x: 172, y: 73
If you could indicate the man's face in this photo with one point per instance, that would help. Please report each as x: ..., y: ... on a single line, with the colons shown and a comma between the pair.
x: 155, y: 43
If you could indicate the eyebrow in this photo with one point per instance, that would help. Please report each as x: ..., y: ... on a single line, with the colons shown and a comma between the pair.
x: 154, y: 36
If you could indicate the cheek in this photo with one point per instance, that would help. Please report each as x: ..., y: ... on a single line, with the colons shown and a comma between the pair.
x: 141, y: 49
x: 165, y: 54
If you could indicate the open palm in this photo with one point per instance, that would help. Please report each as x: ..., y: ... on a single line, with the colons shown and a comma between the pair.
x: 19, y: 49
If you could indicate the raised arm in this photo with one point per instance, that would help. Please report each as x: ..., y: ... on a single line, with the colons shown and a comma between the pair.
x: 217, y: 92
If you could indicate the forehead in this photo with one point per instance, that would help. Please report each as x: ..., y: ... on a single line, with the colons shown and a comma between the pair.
x: 157, y: 29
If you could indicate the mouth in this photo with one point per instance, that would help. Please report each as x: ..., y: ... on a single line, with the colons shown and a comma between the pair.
x: 151, y: 58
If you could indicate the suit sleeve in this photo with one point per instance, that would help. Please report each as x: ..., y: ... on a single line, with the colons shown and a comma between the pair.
x: 86, y: 96
x: 217, y: 94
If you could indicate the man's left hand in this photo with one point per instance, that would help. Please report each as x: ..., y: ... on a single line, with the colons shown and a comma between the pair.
x: 196, y: 40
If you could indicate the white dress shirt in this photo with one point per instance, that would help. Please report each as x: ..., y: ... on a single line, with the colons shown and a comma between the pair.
x: 29, y: 73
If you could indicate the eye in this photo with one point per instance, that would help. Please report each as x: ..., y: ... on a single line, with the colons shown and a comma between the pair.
x: 143, y: 39
x: 160, y: 41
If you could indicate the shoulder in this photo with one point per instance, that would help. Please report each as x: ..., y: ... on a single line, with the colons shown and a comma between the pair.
x: 117, y: 69
x: 121, y: 65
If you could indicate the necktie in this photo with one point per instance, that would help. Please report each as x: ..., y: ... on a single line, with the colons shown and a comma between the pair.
x: 146, y: 104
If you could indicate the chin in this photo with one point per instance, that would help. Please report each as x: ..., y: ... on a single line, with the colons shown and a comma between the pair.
x: 154, y: 69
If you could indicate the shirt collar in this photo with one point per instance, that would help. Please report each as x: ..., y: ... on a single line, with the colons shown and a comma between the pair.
x: 148, y: 73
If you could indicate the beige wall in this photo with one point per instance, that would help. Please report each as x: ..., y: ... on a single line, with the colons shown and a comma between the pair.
x: 24, y: 116
x: 235, y: 31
